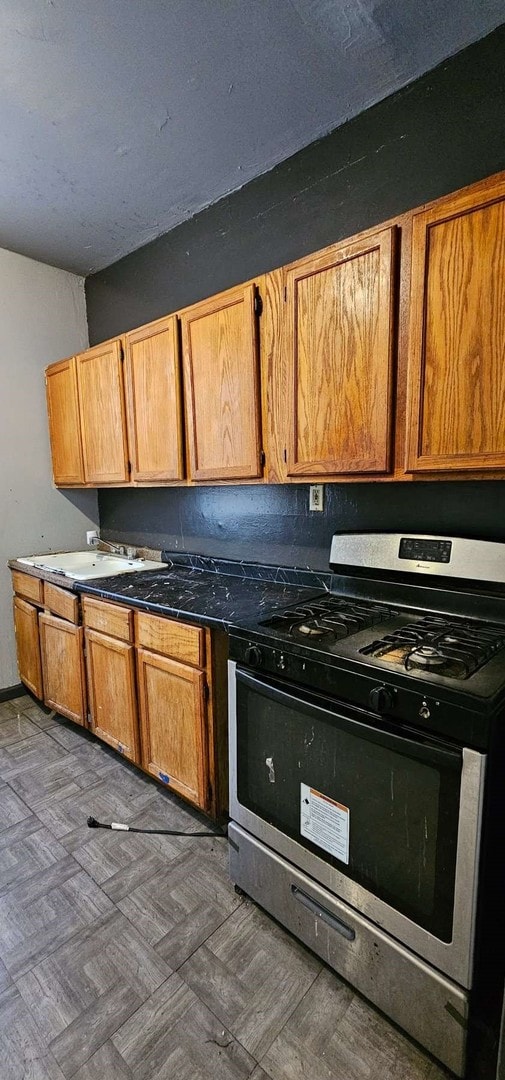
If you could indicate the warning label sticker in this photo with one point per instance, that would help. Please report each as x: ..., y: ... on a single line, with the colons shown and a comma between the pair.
x: 325, y: 822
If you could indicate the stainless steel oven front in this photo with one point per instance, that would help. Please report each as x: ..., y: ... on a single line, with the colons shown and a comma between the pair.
x: 375, y: 830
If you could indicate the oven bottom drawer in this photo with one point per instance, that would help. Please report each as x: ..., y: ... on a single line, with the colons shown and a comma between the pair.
x: 419, y: 999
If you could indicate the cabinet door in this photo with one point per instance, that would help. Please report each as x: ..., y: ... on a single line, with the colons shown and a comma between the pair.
x: 457, y: 335
x: 26, y: 627
x: 339, y: 359
x: 61, y: 645
x: 111, y: 687
x: 173, y: 725
x: 64, y: 423
x: 102, y: 409
x: 153, y: 388
x: 221, y: 384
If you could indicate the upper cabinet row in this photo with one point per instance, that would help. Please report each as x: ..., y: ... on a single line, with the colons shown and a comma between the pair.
x: 116, y: 411
x: 381, y: 356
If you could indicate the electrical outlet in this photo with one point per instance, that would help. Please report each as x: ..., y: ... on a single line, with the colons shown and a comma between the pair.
x: 316, y: 497
x: 90, y: 536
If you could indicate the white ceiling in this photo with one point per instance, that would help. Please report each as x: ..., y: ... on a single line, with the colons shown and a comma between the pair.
x: 121, y: 118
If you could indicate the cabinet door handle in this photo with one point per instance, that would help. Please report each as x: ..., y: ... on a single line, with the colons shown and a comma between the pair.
x: 323, y: 914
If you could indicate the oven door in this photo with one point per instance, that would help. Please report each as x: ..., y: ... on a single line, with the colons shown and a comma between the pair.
x: 385, y: 818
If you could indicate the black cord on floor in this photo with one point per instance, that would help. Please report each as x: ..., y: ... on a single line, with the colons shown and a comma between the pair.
x: 119, y: 827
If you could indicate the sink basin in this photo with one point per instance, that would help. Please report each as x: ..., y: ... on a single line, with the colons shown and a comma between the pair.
x: 83, y: 565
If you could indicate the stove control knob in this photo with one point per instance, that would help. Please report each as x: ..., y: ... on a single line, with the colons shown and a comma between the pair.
x: 253, y: 656
x: 281, y: 663
x: 381, y: 699
x: 424, y: 711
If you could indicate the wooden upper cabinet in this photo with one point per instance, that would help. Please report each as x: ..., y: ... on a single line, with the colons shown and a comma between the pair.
x: 221, y: 381
x: 457, y: 335
x: 338, y: 350
x: 154, y: 403
x: 64, y: 425
x: 102, y: 409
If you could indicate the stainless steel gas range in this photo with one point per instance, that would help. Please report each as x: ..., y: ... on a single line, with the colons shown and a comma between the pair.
x: 367, y: 778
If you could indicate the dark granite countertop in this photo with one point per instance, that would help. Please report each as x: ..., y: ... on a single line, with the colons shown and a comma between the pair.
x: 208, y: 596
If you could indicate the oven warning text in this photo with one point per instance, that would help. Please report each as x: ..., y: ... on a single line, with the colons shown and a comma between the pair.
x: 325, y: 822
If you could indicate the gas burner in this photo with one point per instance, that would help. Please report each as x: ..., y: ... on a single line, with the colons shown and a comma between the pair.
x: 312, y: 629
x: 435, y: 645
x: 426, y: 656
x: 329, y: 617
x: 429, y: 658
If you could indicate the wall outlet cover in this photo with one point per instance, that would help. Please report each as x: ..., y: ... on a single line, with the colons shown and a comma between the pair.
x: 316, y: 497
x: 91, y: 535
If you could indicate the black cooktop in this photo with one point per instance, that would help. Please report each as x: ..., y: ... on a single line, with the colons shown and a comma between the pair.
x: 441, y: 649
x: 430, y: 644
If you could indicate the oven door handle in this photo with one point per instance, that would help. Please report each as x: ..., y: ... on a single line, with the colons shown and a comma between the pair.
x: 417, y: 746
x: 322, y: 913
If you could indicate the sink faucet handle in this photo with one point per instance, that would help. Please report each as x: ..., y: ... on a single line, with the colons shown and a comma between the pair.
x: 115, y: 549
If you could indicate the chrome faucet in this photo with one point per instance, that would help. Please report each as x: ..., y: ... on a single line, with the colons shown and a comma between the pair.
x: 116, y: 549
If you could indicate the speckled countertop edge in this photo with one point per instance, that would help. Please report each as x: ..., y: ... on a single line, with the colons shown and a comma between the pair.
x: 246, y: 589
x: 60, y: 579
x: 44, y: 575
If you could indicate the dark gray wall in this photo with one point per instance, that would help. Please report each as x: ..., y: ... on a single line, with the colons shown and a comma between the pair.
x: 443, y: 132
x: 273, y: 524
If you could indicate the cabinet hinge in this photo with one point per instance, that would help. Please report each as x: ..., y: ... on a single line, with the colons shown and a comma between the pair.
x: 285, y: 455
x: 285, y: 293
x: 258, y: 303
x: 206, y: 691
x: 263, y: 457
x: 129, y: 466
x: 209, y: 792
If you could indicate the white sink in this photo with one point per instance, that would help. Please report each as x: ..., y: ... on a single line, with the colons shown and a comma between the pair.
x: 82, y: 565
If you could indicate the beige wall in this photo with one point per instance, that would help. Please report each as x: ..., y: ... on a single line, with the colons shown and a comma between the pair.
x: 42, y: 318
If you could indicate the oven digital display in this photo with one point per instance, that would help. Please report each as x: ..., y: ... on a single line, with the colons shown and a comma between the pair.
x: 436, y: 551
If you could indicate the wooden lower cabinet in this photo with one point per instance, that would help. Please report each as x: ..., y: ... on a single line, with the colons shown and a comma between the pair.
x: 112, y: 698
x: 155, y: 687
x: 26, y: 627
x: 173, y: 723
x: 61, y: 647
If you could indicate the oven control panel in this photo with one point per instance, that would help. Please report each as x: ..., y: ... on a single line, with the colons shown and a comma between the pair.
x: 431, y: 551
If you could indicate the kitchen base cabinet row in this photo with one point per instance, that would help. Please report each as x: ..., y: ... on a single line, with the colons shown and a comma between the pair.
x: 154, y: 687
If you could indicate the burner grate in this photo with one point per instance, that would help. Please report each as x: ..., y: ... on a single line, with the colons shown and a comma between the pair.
x: 329, y: 618
x: 440, y: 646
